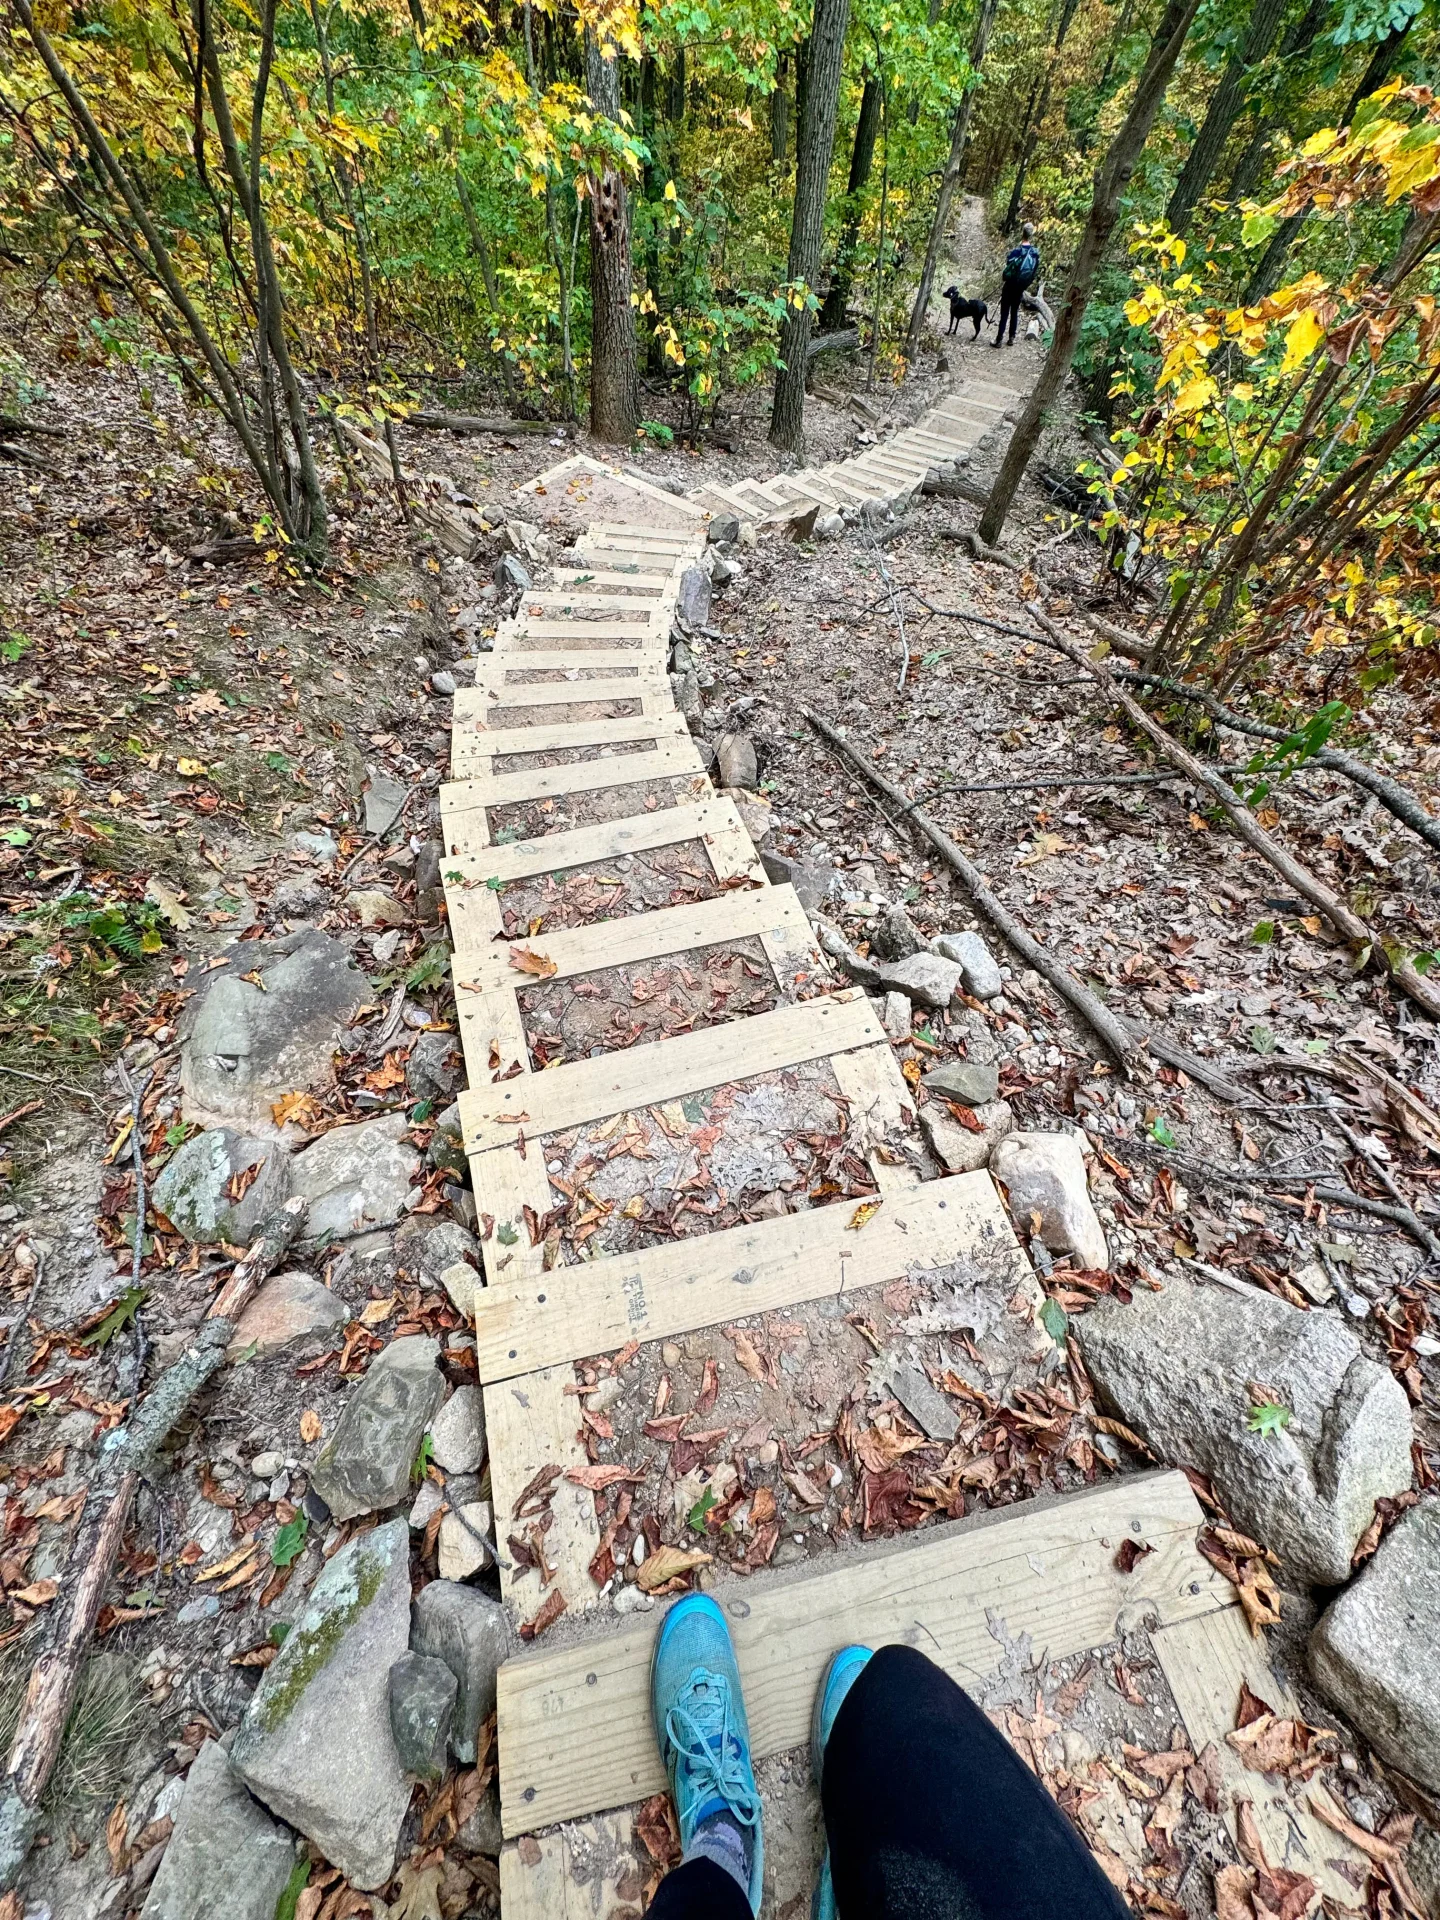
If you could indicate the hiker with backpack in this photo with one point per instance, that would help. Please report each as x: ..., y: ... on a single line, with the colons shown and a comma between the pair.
x: 1022, y: 267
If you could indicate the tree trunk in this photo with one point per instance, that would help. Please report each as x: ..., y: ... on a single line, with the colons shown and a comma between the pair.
x: 862, y: 159
x: 1027, y: 149
x: 1227, y: 103
x: 780, y: 113
x: 812, y: 174
x: 1110, y: 185
x: 1268, y: 273
x: 950, y: 179
x: 614, y: 412
x: 487, y: 272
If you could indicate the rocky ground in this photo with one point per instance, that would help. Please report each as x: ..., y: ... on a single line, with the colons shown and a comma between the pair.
x: 225, y: 975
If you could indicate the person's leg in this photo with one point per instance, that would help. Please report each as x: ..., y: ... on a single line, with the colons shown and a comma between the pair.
x: 1008, y: 298
x: 699, y: 1890
x: 704, y: 1740
x: 932, y: 1815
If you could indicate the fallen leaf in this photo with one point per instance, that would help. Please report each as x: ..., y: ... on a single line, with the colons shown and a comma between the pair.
x: 596, y: 1479
x: 1232, y: 1895
x: 165, y: 897
x: 376, y: 1311
x: 115, y: 1828
x: 747, y: 1355
x: 419, y: 1893
x: 863, y: 1214
x: 39, y: 1593
x: 550, y: 1611
x: 1131, y: 1553
x: 526, y: 960
x: 669, y: 1563
x: 312, y: 1427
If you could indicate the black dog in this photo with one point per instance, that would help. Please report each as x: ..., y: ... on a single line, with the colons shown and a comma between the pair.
x: 963, y: 309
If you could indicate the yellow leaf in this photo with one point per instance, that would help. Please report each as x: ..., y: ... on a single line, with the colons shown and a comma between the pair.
x: 191, y: 769
x: 312, y: 1427
x: 526, y: 960
x: 374, y: 1311
x: 666, y: 1563
x: 863, y: 1215
x: 1302, y: 338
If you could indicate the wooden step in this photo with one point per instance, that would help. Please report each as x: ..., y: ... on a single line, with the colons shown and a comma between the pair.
x: 583, y: 605
x: 473, y: 753
x: 545, y: 704
x: 598, y: 580
x: 527, y: 1324
x: 595, y: 663
x: 574, y: 1731
x: 464, y: 803
x: 671, y: 1069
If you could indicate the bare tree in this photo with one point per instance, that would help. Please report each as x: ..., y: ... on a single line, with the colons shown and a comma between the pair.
x: 614, y: 407
x: 1110, y: 184
x: 1227, y: 103
x: 812, y: 173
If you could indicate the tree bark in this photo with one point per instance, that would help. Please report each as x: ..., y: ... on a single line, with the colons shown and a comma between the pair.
x: 1227, y: 103
x: 1027, y: 148
x: 780, y: 114
x: 812, y: 174
x: 950, y: 179
x: 487, y: 272
x: 862, y: 159
x: 614, y: 412
x: 1110, y: 184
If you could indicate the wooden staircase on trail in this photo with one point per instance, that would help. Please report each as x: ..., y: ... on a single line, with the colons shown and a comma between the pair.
x: 889, y: 473
x: 574, y: 777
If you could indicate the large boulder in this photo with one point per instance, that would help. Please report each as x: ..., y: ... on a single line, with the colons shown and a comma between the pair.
x: 1045, y: 1175
x: 315, y: 1743
x: 692, y: 602
x: 246, y: 1045
x: 1183, y: 1368
x: 365, y: 1465
x: 356, y: 1177
x: 227, y: 1859
x: 471, y: 1634
x: 1376, y: 1651
x: 197, y: 1187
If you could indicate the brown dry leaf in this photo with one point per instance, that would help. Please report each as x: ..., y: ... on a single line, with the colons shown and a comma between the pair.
x: 312, y: 1427
x: 863, y: 1215
x: 747, y: 1354
x: 550, y: 1611
x: 805, y: 1489
x: 374, y: 1312
x: 670, y: 1563
x: 596, y: 1479
x: 1247, y: 1835
x: 1260, y: 1597
x: 419, y: 1893
x: 39, y: 1593
x: 1268, y: 1744
x: 312, y: 1898
x: 230, y: 1562
x: 10, y: 1907
x: 115, y: 1838
x: 1131, y: 1552
x: 762, y: 1507
x: 526, y: 960
x: 1383, y: 1852
x: 656, y: 1830
x: 1232, y: 1895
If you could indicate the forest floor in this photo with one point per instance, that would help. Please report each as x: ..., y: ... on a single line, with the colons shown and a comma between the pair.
x: 171, y: 726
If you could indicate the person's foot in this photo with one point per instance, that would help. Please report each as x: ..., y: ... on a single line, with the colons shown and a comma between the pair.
x: 844, y: 1670
x: 700, y: 1724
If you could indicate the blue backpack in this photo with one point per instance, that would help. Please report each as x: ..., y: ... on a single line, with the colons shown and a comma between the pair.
x: 1022, y: 263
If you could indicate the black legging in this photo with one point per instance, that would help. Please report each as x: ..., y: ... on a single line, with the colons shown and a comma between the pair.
x: 931, y: 1815
x: 1010, y: 292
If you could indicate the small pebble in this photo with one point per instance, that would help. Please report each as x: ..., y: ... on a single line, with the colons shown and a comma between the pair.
x: 670, y: 1354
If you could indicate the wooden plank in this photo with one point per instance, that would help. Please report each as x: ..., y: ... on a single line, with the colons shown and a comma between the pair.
x: 596, y: 580
x: 574, y: 1723
x: 1205, y: 1660
x: 474, y: 750
x: 674, y: 756
x: 669, y: 540
x: 660, y: 567
x: 643, y: 936
x: 582, y: 634
x: 530, y: 1424
x: 581, y: 601
x: 881, y: 1108
x: 576, y: 1876
x: 715, y: 821
x: 600, y: 662
x: 523, y: 1325
x: 475, y: 705
x: 581, y: 469
x: 669, y: 1069
x: 469, y: 832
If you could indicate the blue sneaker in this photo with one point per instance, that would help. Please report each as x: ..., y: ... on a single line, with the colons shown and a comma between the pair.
x: 844, y: 1670
x: 699, y: 1715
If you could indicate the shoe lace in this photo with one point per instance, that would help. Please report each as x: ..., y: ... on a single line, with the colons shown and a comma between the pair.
x: 712, y: 1757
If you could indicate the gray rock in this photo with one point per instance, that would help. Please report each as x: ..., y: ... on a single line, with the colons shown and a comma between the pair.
x: 829, y: 526
x: 721, y: 570
x: 465, y: 1544
x: 982, y: 970
x: 1178, y: 1366
x: 385, y: 946
x: 425, y: 1247
x: 374, y: 908
x: 192, y: 1190
x: 928, y: 1408
x: 471, y: 1634
x: 428, y: 1502
x: 365, y: 1466
x: 245, y: 1047
x: 462, y: 1283
x: 1045, y: 1173
x: 685, y: 691
x: 735, y: 757
x: 457, y: 1432
x: 315, y: 1742
x: 723, y: 529
x: 974, y: 1083
x: 422, y: 1705
x: 384, y: 798
x: 323, y: 848
x: 435, y: 1067
x: 894, y: 937
x: 300, y: 897
x: 227, y: 1859
x: 693, y: 601
x: 813, y: 884
x: 956, y: 1147
x: 1376, y: 1651
x: 482, y: 1832
x: 356, y: 1177
x: 443, y: 683
x: 924, y: 977
x: 290, y: 1312
x: 897, y: 1016
x: 511, y: 574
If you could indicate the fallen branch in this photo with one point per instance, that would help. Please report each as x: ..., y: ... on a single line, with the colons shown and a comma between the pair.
x: 440, y: 422
x: 1408, y: 1218
x: 977, y: 549
x: 1116, y: 1036
x: 126, y: 1455
x: 23, y: 457
x: 958, y: 488
x: 434, y: 497
x: 13, y: 423
x: 845, y: 341
x: 1346, y: 922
